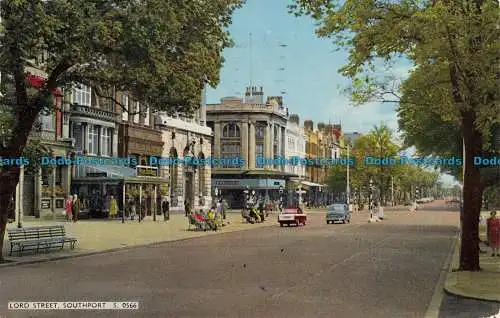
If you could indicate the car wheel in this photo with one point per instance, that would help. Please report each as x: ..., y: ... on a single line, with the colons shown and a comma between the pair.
x: 281, y: 224
x: 327, y: 222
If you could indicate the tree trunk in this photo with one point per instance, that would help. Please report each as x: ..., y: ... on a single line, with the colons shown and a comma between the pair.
x: 472, y: 194
x: 9, y: 182
x: 9, y: 176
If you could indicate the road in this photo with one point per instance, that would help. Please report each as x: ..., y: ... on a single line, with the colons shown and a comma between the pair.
x: 387, y: 269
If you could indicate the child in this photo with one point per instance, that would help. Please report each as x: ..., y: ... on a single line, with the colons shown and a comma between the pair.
x: 493, y: 233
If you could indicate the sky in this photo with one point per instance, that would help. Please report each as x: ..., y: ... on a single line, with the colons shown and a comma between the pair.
x: 283, y: 54
x: 306, y: 68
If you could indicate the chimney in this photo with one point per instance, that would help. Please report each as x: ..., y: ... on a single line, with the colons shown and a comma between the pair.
x: 294, y: 118
x: 308, y: 125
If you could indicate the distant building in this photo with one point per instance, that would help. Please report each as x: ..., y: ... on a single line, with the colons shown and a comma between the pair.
x: 187, y: 137
x: 295, y: 145
x: 249, y: 129
x: 351, y: 137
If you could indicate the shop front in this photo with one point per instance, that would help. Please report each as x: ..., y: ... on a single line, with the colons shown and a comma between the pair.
x: 96, y: 186
x: 232, y: 189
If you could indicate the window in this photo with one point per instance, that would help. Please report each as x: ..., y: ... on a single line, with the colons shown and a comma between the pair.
x: 59, y: 174
x: 260, y: 131
x: 124, y: 103
x: 77, y: 135
x: 231, y: 131
x: 82, y: 95
x: 259, y: 152
x: 93, y: 137
x: 106, y: 144
x: 47, y: 121
x: 229, y: 151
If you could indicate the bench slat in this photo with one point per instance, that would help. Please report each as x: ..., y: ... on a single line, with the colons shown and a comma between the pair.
x: 41, y: 237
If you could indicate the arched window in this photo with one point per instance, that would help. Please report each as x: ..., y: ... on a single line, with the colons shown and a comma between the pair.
x: 230, y: 143
x: 231, y: 131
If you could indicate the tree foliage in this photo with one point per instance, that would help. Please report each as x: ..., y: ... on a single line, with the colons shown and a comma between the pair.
x: 454, y: 47
x: 379, y: 143
x: 162, y: 52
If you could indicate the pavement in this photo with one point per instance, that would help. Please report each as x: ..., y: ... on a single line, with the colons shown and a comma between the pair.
x: 483, y: 285
x: 361, y: 269
x: 98, y: 235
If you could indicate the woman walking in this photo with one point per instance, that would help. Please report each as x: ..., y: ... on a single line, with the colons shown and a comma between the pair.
x: 493, y: 233
x: 113, y: 207
x: 69, y: 208
x: 75, y: 208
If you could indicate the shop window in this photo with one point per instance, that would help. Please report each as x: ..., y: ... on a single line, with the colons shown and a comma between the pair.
x: 46, y: 173
x: 59, y: 175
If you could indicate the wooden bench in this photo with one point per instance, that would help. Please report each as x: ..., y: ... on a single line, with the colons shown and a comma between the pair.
x: 39, y: 238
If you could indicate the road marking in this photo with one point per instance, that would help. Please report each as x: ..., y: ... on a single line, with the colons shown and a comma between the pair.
x: 437, y: 296
x: 329, y: 269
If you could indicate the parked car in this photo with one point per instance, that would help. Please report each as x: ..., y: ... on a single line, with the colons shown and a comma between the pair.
x: 338, y: 213
x: 292, y: 215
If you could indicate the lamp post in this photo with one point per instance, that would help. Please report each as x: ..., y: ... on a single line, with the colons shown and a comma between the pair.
x: 370, y: 198
x: 281, y: 197
x: 246, y: 193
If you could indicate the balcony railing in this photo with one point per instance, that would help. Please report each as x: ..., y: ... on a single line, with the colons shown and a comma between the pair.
x: 97, y: 113
x: 43, y: 134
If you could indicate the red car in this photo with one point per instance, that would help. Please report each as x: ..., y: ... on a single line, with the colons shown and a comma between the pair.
x: 292, y: 215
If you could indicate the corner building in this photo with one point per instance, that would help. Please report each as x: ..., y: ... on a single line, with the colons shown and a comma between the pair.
x: 249, y: 128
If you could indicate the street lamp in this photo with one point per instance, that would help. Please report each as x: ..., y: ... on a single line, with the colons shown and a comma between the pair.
x: 370, y: 198
x: 281, y: 197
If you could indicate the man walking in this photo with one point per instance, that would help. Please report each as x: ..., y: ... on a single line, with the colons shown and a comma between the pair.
x: 165, y: 207
x: 187, y: 207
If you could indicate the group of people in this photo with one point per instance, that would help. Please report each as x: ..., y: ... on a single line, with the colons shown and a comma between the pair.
x: 72, y: 208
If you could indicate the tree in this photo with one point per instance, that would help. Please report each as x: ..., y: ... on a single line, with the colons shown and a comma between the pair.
x: 458, y: 39
x: 162, y: 52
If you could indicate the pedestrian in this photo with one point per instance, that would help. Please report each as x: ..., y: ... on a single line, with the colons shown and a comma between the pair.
x: 187, y: 208
x: 132, y: 209
x: 493, y: 233
x: 69, y: 208
x: 113, y: 207
x: 218, y: 207
x: 165, y: 207
x: 75, y: 208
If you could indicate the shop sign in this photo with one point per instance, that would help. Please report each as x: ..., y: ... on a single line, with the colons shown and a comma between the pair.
x: 45, y: 204
x: 59, y: 203
x: 97, y: 174
x: 147, y: 171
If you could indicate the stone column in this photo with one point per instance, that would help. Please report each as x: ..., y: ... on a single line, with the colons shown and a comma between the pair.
x: 99, y: 142
x: 216, y: 143
x: 244, y: 143
x: 85, y: 137
x: 38, y: 192
x: 271, y: 146
x: 53, y: 187
x: 267, y: 141
x: 251, y: 148
x: 67, y: 180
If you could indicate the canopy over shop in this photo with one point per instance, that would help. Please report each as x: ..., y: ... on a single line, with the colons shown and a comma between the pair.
x: 95, y: 184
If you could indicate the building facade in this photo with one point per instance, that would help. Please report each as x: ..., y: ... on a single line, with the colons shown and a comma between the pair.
x: 93, y: 125
x: 44, y: 192
x: 295, y: 145
x: 187, y: 137
x: 140, y: 139
x: 253, y: 131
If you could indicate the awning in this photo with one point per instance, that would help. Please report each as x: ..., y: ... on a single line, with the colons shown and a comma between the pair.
x: 312, y: 184
x: 104, y: 171
x: 95, y: 173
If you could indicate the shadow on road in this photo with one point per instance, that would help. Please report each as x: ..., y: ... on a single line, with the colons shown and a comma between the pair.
x: 458, y: 307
